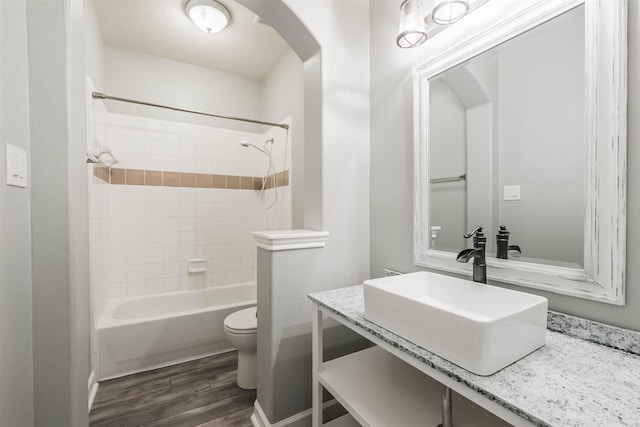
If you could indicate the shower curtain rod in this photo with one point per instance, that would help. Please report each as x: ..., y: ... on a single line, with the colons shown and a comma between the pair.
x: 99, y: 95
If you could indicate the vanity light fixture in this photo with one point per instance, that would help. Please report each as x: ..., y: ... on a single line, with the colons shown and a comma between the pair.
x: 414, y: 14
x: 210, y: 16
x: 446, y: 12
x: 412, y: 32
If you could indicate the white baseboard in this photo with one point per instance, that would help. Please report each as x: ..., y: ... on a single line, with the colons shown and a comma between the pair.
x: 93, y: 388
x: 259, y: 419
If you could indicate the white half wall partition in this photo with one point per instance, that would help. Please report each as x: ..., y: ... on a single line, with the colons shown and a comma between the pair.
x: 290, y: 266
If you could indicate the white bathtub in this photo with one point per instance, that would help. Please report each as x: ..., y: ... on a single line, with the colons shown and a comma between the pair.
x: 142, y: 333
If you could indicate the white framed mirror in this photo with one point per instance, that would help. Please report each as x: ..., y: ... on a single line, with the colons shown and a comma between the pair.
x: 523, y: 124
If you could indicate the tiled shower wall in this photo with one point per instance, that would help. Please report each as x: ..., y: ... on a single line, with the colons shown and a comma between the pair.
x: 156, y: 225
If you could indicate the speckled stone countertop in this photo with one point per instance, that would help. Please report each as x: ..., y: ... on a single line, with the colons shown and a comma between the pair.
x: 569, y: 382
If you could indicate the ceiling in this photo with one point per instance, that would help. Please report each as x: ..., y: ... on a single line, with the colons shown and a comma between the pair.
x: 161, y: 28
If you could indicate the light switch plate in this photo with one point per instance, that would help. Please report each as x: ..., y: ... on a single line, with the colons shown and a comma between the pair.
x: 512, y: 192
x: 16, y: 166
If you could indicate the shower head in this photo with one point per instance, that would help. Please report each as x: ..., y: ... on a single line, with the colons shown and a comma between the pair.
x: 247, y: 144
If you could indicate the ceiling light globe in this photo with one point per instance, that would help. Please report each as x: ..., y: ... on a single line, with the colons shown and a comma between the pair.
x: 208, y: 15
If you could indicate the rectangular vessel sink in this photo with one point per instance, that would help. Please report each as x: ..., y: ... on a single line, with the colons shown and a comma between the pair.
x: 478, y: 327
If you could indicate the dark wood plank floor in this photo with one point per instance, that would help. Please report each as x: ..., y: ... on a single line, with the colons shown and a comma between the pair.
x: 198, y: 393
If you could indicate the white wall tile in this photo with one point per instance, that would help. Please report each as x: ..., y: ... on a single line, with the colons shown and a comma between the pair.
x: 134, y: 224
x: 171, y: 209
x: 171, y: 223
x: 188, y: 209
x: 154, y: 255
x: 136, y: 240
x: 171, y: 284
x: 154, y: 286
x: 204, y: 166
x: 135, y: 209
x: 204, y: 150
x: 136, y: 272
x: 135, y: 193
x: 155, y: 224
x: 154, y: 240
x: 118, y: 274
x: 118, y: 290
x: 136, y: 256
x: 188, y: 194
x: 172, y: 254
x: 153, y: 209
x: 148, y: 233
x: 154, y: 271
x: 153, y: 162
x: 187, y: 164
x: 154, y: 145
x: 219, y: 279
x: 189, y: 252
x: 188, y: 149
x: 248, y: 275
x: 234, y: 277
x: 188, y: 223
x: 171, y: 163
x: 118, y: 257
x: 171, y: 239
x: 171, y: 148
x: 172, y: 269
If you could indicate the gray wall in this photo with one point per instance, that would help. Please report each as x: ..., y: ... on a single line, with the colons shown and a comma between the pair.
x: 282, y: 96
x: 59, y: 212
x: 144, y: 77
x: 16, y: 362
x: 94, y: 46
x: 392, y: 160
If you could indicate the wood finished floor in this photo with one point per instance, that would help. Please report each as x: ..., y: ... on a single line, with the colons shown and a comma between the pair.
x: 200, y: 393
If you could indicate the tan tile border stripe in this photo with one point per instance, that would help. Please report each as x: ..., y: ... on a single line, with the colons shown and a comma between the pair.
x: 153, y: 178
x: 101, y: 173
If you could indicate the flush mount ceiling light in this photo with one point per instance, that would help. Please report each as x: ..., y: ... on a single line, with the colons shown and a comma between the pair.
x: 208, y: 15
x: 449, y: 11
x: 412, y: 32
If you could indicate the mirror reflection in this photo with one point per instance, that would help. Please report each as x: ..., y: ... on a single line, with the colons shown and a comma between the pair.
x: 507, y: 147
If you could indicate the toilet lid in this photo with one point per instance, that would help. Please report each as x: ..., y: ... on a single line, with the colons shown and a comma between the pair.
x: 242, y: 320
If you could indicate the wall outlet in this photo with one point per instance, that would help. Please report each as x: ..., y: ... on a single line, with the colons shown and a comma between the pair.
x: 16, y: 166
x: 512, y: 192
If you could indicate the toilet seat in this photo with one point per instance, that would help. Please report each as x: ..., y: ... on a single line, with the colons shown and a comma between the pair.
x: 242, y: 322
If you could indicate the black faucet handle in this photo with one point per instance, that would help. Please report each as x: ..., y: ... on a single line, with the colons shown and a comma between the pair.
x: 477, y: 230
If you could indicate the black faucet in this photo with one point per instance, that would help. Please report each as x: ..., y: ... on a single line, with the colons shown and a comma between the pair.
x: 478, y: 255
x: 502, y: 243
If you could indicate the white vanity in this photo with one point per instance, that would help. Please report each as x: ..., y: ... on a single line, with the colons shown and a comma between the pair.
x: 568, y: 382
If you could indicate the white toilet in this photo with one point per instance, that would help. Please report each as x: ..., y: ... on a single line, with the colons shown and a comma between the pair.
x: 241, y: 329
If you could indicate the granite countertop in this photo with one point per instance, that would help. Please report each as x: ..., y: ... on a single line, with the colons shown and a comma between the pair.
x: 569, y: 382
